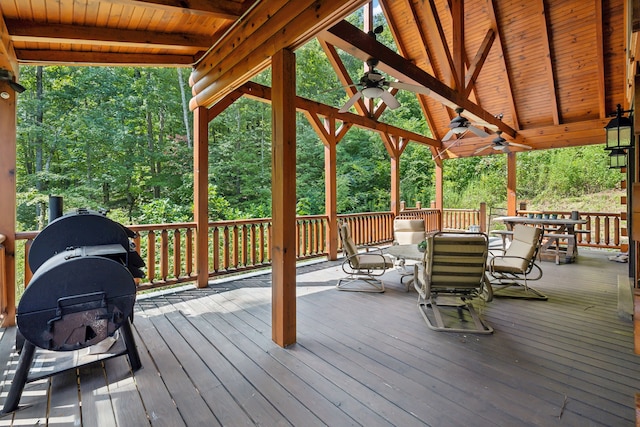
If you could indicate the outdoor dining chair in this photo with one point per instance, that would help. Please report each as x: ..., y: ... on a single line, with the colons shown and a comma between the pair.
x: 450, y: 276
x: 510, y: 272
x: 363, y: 269
x: 407, y: 231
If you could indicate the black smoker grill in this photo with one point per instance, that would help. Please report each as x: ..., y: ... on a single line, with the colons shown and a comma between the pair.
x: 82, y: 291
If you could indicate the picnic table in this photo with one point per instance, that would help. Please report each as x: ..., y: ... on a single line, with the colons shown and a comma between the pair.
x: 556, y: 231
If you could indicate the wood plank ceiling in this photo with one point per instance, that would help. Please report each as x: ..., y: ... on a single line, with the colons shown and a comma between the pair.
x: 552, y: 69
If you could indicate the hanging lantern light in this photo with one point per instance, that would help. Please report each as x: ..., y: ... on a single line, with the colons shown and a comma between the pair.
x: 617, y: 159
x: 619, y: 131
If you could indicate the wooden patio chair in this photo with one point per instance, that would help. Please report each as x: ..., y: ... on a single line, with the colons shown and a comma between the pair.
x: 510, y: 272
x: 407, y: 232
x: 362, y: 268
x: 450, y: 276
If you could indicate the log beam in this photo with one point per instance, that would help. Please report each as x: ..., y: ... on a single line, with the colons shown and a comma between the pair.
x: 247, y: 49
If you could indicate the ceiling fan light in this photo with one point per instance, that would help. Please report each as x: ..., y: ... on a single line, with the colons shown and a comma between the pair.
x: 372, y: 92
x: 459, y: 130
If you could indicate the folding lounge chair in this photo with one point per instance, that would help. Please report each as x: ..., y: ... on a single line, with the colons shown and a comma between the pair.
x: 407, y: 232
x: 510, y: 272
x: 451, y: 275
x: 362, y: 268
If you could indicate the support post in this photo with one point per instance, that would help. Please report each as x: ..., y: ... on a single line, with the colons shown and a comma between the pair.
x: 331, y: 198
x: 395, y: 184
x: 8, y: 205
x: 283, y: 182
x: 512, y: 198
x: 439, y: 199
x: 201, y: 193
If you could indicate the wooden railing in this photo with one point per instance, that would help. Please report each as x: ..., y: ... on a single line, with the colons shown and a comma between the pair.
x: 243, y: 245
x: 461, y: 219
x: 602, y: 229
x: 234, y: 246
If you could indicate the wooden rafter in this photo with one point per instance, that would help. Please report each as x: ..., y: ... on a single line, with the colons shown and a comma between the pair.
x: 227, y: 9
x: 476, y: 65
x: 343, y: 75
x: 600, y: 61
x: 263, y: 93
x: 72, y: 34
x: 507, y: 81
x: 457, y: 13
x: 101, y: 58
x: 551, y: 81
x: 443, y: 56
x: 355, y: 42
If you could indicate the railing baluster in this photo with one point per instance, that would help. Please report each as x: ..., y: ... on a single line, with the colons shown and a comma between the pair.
x: 216, y: 249
x: 176, y: 254
x: 189, y: 253
x: 164, y: 255
x: 151, y: 256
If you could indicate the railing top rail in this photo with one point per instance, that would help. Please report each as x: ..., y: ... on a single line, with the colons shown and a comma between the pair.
x: 589, y: 213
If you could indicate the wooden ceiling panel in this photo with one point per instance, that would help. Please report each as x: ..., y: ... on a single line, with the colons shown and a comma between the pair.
x: 524, y: 55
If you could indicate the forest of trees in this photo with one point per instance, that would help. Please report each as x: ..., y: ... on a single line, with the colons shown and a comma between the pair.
x: 121, y: 139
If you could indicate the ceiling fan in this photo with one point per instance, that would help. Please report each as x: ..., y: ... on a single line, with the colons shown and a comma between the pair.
x: 460, y: 125
x: 373, y: 84
x: 501, y: 144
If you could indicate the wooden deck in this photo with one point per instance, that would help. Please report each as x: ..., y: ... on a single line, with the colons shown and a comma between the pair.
x: 361, y: 359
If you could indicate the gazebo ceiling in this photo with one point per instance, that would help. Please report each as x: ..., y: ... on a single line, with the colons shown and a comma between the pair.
x: 552, y: 69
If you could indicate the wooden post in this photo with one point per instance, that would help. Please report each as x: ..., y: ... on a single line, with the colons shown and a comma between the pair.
x: 8, y: 205
x: 483, y: 217
x: 439, y: 183
x: 201, y: 193
x: 512, y: 198
x: 395, y: 183
x: 283, y: 250
x: 331, y: 198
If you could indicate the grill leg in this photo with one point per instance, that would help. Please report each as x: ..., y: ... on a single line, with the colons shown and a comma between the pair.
x: 20, y: 378
x: 130, y: 343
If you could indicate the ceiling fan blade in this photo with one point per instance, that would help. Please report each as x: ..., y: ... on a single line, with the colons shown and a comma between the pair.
x: 389, y: 99
x: 350, y: 102
x: 515, y: 144
x: 480, y: 150
x: 411, y: 88
x: 478, y: 132
x: 448, y: 135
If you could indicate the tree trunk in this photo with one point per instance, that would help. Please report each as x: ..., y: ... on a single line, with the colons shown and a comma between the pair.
x: 39, y: 142
x: 185, y: 108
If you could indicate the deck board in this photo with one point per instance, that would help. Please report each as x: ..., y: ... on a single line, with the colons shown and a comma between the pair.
x: 360, y: 359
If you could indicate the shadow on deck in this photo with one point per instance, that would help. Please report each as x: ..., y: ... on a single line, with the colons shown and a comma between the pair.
x: 361, y: 359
